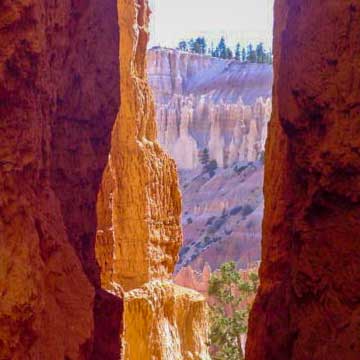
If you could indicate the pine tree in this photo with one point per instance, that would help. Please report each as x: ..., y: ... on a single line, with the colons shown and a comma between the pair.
x: 243, y: 55
x: 269, y: 57
x: 183, y: 46
x: 229, y: 53
x: 204, y: 157
x: 238, y: 52
x: 251, y: 54
x: 228, y: 318
x: 191, y: 45
x: 221, y: 49
x: 260, y: 53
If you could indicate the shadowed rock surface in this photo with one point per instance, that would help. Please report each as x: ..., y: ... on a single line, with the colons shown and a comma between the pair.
x: 59, y: 95
x: 308, y: 303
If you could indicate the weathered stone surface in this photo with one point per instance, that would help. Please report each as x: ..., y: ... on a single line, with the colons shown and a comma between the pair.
x: 204, y: 102
x: 308, y: 303
x: 165, y: 322
x: 59, y: 95
x: 139, y: 207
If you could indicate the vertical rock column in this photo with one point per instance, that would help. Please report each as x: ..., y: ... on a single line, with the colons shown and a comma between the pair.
x: 139, y: 207
x: 308, y: 303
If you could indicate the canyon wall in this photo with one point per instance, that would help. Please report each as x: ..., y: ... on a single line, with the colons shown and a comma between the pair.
x: 308, y: 303
x: 205, y: 102
x: 77, y: 226
x: 59, y: 95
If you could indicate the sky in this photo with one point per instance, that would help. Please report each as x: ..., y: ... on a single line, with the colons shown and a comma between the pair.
x: 241, y: 21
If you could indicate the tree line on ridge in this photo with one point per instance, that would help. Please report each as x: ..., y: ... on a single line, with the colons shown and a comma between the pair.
x: 250, y: 54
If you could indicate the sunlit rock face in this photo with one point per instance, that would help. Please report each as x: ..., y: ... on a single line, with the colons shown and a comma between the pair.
x: 308, y: 303
x: 139, y: 206
x: 171, y: 321
x: 204, y: 102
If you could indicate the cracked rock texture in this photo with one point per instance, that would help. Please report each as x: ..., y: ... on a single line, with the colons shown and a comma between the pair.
x: 308, y: 303
x: 139, y: 207
x: 204, y: 102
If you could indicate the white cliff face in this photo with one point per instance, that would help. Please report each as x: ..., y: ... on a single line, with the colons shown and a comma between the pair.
x: 204, y: 102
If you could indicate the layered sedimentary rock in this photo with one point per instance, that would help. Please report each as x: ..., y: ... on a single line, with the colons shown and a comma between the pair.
x: 204, y: 102
x: 139, y: 207
x: 308, y: 303
x: 59, y: 95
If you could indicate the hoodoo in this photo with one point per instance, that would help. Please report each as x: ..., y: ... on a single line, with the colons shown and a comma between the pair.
x: 90, y: 205
x: 206, y: 102
x: 308, y: 303
x: 139, y: 207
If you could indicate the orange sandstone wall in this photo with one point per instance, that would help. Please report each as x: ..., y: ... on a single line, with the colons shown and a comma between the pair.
x: 308, y: 303
x: 59, y: 95
x: 140, y: 197
x: 139, y: 207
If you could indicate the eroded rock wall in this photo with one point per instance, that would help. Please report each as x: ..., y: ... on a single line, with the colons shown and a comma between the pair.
x: 308, y: 303
x: 59, y: 95
x: 204, y: 102
x: 165, y: 321
x: 139, y: 207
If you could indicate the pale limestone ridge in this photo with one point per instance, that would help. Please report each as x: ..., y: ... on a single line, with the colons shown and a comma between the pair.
x: 204, y: 102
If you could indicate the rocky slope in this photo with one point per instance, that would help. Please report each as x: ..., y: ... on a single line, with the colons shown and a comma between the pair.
x: 204, y: 102
x: 223, y: 106
x: 308, y: 303
x: 68, y: 210
x: 222, y: 216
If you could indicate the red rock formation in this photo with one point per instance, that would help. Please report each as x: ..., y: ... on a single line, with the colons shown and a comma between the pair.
x: 308, y: 303
x: 187, y: 277
x: 59, y: 95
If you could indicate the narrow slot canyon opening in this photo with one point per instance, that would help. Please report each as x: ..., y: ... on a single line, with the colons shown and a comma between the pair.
x: 102, y: 258
x: 211, y: 87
